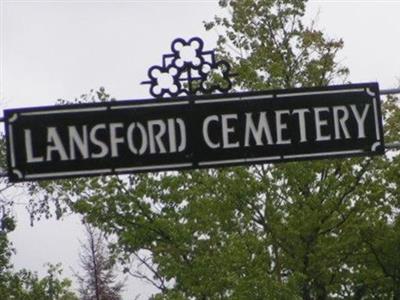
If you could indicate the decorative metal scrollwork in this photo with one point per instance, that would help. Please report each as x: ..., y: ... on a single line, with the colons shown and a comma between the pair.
x: 189, y: 70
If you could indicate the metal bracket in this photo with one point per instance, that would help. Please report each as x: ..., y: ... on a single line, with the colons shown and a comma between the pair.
x: 390, y: 91
x: 393, y: 146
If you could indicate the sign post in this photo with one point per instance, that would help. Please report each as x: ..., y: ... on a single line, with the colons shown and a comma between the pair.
x: 193, y: 132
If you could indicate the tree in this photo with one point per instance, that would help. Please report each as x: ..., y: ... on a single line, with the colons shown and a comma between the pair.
x: 24, y: 284
x: 98, y: 282
x: 6, y: 251
x: 309, y: 230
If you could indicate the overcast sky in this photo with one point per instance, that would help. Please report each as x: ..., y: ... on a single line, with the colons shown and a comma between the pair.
x: 62, y: 49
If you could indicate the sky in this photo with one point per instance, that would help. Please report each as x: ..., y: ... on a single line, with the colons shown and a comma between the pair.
x: 62, y: 49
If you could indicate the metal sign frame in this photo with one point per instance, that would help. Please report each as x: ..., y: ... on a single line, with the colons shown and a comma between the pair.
x: 133, y: 136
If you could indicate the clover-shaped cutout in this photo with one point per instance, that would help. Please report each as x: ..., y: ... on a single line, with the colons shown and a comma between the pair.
x: 216, y: 77
x: 187, y: 53
x: 189, y: 70
x: 164, y: 80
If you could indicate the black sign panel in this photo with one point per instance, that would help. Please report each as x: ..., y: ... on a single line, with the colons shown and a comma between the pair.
x: 186, y: 133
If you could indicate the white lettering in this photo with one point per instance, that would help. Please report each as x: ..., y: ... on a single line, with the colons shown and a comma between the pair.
x: 320, y: 123
x: 206, y: 123
x: 226, y: 130
x: 182, y: 130
x: 280, y: 126
x: 29, y: 149
x: 340, y: 122
x: 143, y: 135
x: 114, y: 139
x: 302, y: 123
x: 56, y: 144
x: 155, y: 138
x: 257, y: 133
x: 360, y: 119
x: 81, y: 142
x: 171, y: 136
x: 103, y: 147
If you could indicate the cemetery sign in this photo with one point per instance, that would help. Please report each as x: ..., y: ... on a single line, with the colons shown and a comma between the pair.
x: 193, y: 132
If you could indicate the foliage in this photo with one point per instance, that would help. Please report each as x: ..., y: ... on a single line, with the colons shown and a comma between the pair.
x: 24, y: 284
x: 98, y: 282
x: 269, y: 45
x: 6, y: 251
x: 310, y: 230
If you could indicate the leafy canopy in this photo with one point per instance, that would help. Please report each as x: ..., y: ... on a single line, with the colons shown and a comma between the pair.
x: 310, y: 230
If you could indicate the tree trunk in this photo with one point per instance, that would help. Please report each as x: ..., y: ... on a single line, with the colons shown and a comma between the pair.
x: 96, y: 275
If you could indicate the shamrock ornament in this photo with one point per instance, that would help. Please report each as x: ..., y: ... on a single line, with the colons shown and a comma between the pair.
x: 189, y: 70
x: 187, y: 54
x: 164, y: 81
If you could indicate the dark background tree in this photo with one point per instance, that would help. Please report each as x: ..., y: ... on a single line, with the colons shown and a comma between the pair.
x: 99, y: 280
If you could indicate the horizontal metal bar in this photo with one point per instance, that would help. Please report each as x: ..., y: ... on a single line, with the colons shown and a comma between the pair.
x: 390, y: 91
x: 395, y: 145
